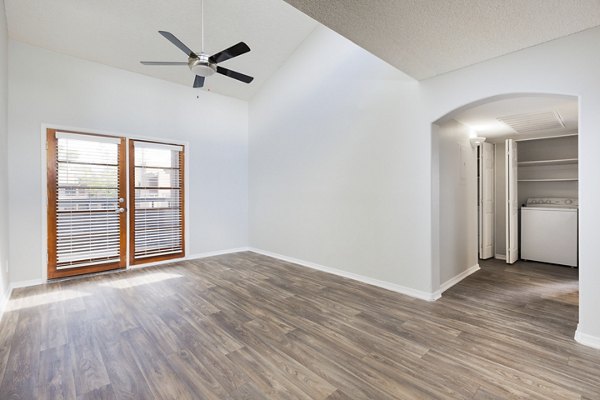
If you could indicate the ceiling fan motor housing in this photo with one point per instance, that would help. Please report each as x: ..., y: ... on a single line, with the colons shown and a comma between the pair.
x: 201, y: 65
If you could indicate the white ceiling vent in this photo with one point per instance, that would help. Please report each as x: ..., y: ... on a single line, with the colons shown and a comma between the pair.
x: 533, y: 122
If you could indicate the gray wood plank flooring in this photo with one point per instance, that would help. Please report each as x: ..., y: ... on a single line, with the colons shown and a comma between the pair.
x: 246, y: 326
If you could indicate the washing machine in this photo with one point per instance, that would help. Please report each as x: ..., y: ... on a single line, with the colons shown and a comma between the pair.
x: 549, y: 229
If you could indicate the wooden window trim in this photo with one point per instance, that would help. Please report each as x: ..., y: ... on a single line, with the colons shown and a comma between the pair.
x: 165, y: 257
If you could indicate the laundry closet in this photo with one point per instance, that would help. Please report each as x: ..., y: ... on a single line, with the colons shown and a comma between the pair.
x: 535, y: 199
x: 506, y: 184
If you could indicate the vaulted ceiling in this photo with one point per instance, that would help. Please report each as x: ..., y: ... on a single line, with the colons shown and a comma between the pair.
x: 120, y: 33
x: 424, y: 38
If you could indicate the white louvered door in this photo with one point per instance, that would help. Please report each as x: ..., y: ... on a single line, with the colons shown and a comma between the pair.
x: 486, y: 220
x: 156, y: 201
x: 512, y: 202
x: 86, y: 203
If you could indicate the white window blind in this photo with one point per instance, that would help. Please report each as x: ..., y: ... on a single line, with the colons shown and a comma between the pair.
x: 157, y: 201
x: 87, y: 200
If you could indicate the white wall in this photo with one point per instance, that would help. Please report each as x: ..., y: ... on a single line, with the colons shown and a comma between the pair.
x: 566, y: 66
x: 3, y: 156
x: 77, y: 93
x: 457, y: 200
x: 334, y: 164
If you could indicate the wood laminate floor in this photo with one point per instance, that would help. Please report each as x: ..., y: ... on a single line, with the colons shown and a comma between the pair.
x: 245, y: 326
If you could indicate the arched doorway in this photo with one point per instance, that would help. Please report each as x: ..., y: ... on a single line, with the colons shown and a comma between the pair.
x: 546, y: 127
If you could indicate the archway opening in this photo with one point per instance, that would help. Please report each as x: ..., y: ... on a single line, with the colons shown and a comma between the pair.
x: 505, y: 196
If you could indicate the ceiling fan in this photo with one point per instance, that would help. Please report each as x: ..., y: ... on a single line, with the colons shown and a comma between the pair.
x: 203, y: 65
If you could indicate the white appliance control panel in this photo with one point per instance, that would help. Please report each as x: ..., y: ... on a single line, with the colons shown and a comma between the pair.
x: 552, y: 202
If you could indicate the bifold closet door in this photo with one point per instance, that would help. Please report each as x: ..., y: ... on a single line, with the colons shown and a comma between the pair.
x: 512, y: 202
x: 156, y: 201
x: 86, y: 200
x: 486, y: 218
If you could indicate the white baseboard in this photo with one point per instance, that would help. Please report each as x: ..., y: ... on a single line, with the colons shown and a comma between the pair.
x: 419, y: 294
x: 453, y: 281
x: 217, y: 253
x: 22, y: 284
x: 587, y: 340
x: 4, y: 301
x: 500, y: 256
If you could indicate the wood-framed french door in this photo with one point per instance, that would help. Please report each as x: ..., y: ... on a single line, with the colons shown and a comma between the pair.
x: 156, y: 201
x: 87, y: 225
x: 87, y: 178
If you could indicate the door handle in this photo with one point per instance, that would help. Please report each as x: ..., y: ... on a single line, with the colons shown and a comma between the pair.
x: 120, y: 210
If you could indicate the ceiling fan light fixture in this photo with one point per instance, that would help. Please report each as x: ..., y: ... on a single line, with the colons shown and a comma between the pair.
x: 202, y: 66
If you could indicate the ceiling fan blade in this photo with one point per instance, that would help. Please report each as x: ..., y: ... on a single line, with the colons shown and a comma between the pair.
x: 163, y: 63
x: 198, y: 81
x: 234, y: 75
x: 171, y: 38
x: 233, y: 51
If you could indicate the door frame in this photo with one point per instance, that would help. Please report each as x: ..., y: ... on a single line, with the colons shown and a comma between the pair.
x: 44, y: 190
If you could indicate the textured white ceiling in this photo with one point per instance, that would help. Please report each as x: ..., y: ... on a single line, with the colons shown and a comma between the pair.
x: 424, y: 38
x: 483, y: 120
x: 120, y: 33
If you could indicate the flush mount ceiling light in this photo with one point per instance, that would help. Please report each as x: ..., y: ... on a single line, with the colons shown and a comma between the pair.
x: 476, y: 141
x: 201, y: 64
